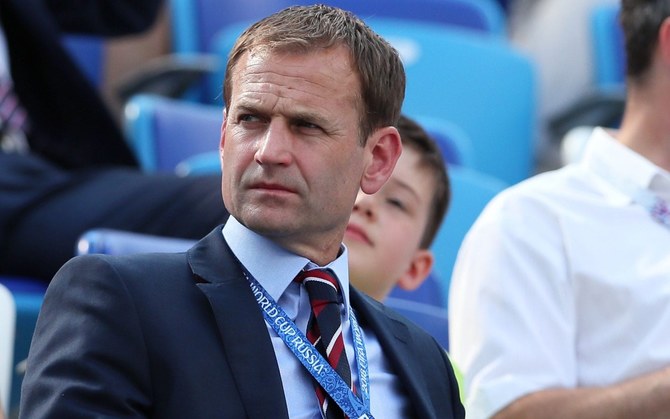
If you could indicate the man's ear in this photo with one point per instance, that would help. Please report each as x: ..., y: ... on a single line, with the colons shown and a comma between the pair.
x: 418, y: 270
x: 222, y: 139
x: 664, y: 41
x: 385, y: 147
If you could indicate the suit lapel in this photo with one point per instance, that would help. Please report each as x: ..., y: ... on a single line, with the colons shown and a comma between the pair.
x: 243, y: 332
x: 395, y: 340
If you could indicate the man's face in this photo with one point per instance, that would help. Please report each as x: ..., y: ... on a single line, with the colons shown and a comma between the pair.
x: 386, y: 228
x: 292, y: 160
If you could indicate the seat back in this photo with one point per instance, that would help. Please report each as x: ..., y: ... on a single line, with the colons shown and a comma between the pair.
x: 454, y: 142
x: 196, y: 22
x: 479, y: 83
x: 118, y: 242
x: 163, y: 132
x: 608, y: 47
x: 470, y: 192
x: 7, y: 327
x: 425, y: 306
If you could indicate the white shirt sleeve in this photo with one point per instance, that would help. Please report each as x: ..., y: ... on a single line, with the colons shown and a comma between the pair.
x: 512, y: 312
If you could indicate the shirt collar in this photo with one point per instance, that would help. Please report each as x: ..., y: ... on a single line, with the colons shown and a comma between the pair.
x: 273, y: 266
x: 623, y: 168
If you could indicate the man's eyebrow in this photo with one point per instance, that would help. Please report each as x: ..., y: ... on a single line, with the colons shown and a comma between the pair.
x: 307, y: 116
x: 242, y: 106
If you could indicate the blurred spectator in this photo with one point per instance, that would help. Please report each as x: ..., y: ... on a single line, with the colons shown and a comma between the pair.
x: 65, y: 166
x: 560, y: 300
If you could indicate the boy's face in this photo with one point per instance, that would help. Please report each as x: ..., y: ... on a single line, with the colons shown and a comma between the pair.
x: 385, y: 230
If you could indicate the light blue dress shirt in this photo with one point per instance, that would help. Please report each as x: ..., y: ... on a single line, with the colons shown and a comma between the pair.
x: 275, y: 268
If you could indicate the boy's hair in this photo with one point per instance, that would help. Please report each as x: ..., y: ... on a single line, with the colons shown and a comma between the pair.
x: 430, y: 158
x: 641, y: 21
x: 302, y: 29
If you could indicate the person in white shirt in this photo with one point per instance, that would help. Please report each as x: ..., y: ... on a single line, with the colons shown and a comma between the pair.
x: 560, y: 299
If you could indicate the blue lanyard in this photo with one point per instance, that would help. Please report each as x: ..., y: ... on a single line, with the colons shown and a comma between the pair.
x: 312, y: 360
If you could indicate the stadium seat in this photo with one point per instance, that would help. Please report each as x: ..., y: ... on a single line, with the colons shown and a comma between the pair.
x: 164, y: 131
x: 195, y: 23
x: 478, y: 83
x: 608, y: 47
x: 471, y: 191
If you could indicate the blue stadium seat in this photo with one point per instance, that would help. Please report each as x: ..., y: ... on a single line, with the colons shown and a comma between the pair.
x: 425, y: 306
x: 479, y: 83
x: 118, y: 242
x: 471, y: 191
x: 608, y: 47
x: 455, y: 144
x: 195, y: 23
x: 164, y: 131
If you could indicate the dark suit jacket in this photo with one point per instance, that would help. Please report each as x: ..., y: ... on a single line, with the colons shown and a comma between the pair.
x: 181, y: 336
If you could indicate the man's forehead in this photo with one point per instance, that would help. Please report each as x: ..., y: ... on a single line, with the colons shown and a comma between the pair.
x: 325, y: 77
x: 336, y: 57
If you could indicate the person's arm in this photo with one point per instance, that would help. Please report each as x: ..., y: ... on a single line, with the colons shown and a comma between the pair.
x: 512, y: 315
x: 88, y: 355
x: 104, y: 17
x: 647, y: 396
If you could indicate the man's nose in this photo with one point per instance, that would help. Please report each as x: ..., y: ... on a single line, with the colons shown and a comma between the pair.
x: 275, y: 145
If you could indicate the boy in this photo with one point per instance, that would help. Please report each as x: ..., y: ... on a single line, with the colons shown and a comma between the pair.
x: 390, y: 232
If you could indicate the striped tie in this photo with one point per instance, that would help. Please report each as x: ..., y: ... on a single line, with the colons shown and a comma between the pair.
x: 13, y: 119
x: 324, y: 330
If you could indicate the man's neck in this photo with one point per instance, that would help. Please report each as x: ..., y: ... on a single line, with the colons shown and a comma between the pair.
x: 645, y: 127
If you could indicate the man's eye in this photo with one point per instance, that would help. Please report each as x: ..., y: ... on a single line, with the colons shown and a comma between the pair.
x: 307, y: 125
x: 248, y: 118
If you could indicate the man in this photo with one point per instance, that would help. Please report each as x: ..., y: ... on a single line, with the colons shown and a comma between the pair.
x: 560, y: 302
x: 69, y: 168
x: 390, y: 232
x: 312, y: 95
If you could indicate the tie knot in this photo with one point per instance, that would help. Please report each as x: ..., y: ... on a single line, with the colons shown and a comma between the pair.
x: 321, y: 284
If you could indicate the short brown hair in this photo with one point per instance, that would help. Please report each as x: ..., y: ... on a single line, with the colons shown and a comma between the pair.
x: 301, y: 29
x: 430, y: 158
x: 641, y: 21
